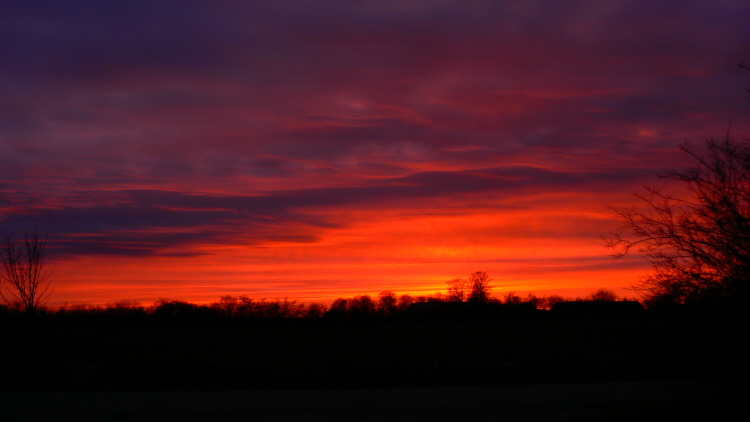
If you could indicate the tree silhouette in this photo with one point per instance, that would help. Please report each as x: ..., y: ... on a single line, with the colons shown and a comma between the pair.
x: 361, y: 306
x: 458, y: 290
x: 227, y: 305
x: 404, y: 301
x: 480, y: 287
x: 26, y: 281
x: 387, y: 303
x: 603, y: 295
x: 315, y: 310
x: 511, y: 298
x: 698, y: 246
x: 338, y: 309
x: 173, y: 310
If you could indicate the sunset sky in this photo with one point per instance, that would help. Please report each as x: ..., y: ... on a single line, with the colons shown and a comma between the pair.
x: 317, y: 149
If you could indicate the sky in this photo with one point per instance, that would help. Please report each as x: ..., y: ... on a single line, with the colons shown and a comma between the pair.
x: 323, y: 149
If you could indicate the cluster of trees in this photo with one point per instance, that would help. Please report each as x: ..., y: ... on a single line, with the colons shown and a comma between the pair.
x: 227, y: 307
x: 475, y: 290
x: 361, y: 307
x: 245, y: 307
x: 476, y: 293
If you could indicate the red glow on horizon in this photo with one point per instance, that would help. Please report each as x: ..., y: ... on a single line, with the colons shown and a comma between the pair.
x: 315, y: 153
x: 413, y: 255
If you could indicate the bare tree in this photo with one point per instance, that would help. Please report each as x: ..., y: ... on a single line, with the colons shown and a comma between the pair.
x: 245, y: 306
x: 698, y: 244
x: 511, y: 298
x: 26, y: 282
x: 458, y: 290
x: 551, y: 300
x: 480, y: 287
x: 227, y: 305
x: 603, y: 295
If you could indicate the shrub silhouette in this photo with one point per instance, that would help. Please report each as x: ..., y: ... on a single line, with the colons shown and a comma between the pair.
x: 603, y: 295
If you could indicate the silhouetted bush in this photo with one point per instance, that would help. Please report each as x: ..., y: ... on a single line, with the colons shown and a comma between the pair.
x: 178, y: 311
x: 338, y: 310
x: 603, y: 295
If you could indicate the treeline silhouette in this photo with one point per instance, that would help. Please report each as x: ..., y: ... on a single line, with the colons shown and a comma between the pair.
x: 387, y: 306
x: 389, y: 340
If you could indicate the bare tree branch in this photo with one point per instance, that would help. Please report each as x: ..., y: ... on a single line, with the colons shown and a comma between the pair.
x: 26, y: 282
x: 458, y: 290
x: 699, y: 247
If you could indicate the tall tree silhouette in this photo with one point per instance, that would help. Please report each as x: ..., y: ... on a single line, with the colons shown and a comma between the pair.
x: 480, y: 287
x: 26, y: 282
x: 698, y: 244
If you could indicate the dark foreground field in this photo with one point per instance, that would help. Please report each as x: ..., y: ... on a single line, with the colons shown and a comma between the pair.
x: 640, y: 401
x: 100, y: 356
x: 374, y: 370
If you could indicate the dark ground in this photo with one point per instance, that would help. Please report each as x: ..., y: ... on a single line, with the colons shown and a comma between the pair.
x: 541, y: 369
x: 641, y: 401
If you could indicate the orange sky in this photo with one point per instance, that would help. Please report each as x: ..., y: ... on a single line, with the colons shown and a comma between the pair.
x: 332, y: 149
x: 543, y: 251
